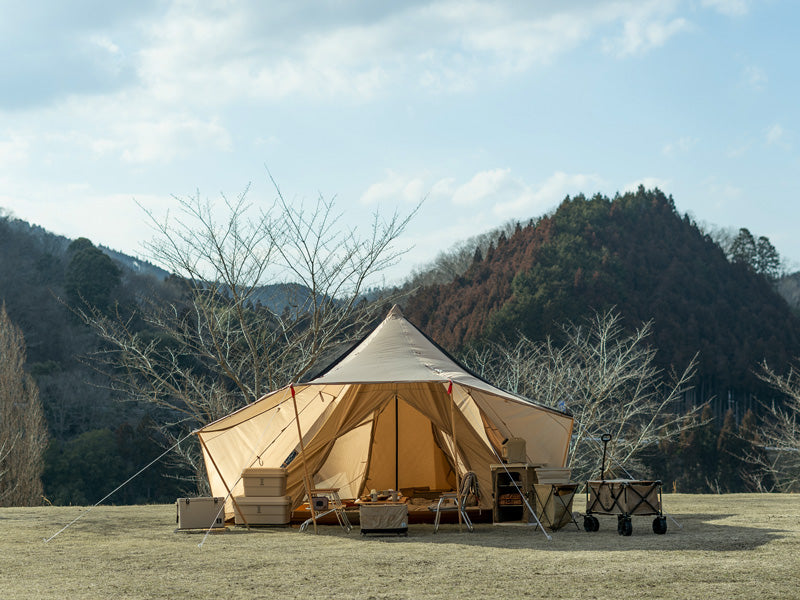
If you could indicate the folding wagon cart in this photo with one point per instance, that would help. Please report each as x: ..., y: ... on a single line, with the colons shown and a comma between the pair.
x: 624, y: 498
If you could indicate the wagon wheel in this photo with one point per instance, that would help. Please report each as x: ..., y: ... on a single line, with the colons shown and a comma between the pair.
x: 591, y: 523
x: 660, y: 525
x: 624, y: 526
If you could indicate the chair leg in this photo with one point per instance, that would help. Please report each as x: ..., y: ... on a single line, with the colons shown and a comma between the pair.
x: 438, y: 516
x: 466, y: 518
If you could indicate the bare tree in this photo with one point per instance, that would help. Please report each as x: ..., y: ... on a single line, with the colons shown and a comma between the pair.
x: 606, y: 378
x: 777, y: 449
x: 258, y: 298
x: 23, y: 434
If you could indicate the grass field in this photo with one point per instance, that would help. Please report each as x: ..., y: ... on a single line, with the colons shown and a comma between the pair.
x: 733, y: 546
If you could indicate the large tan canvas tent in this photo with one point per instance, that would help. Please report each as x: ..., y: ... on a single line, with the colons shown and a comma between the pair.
x: 395, y: 412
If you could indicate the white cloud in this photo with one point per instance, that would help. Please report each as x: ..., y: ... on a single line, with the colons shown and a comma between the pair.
x: 738, y: 151
x: 645, y: 25
x: 681, y: 146
x: 722, y: 193
x: 731, y: 8
x: 776, y: 136
x: 754, y: 77
x: 649, y: 183
x: 394, y: 188
x: 487, y: 186
x: 508, y: 197
x: 14, y: 151
x: 533, y: 201
x: 487, y: 199
x: 165, y: 139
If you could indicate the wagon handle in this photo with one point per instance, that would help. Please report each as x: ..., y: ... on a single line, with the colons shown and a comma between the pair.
x: 605, y: 438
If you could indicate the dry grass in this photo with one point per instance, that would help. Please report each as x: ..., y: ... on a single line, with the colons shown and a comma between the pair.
x: 735, y: 546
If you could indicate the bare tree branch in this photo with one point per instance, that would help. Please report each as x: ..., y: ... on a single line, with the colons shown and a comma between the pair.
x: 608, y: 380
x: 219, y: 341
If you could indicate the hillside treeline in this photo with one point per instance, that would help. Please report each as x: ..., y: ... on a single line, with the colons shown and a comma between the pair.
x: 633, y: 253
x: 637, y: 255
x: 95, y: 441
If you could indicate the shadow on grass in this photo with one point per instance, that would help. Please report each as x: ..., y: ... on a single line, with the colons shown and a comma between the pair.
x: 699, y: 532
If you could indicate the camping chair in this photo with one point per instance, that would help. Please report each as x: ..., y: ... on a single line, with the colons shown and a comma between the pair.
x: 333, y: 504
x: 469, y: 486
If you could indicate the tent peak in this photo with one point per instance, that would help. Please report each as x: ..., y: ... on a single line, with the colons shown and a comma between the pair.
x: 395, y: 313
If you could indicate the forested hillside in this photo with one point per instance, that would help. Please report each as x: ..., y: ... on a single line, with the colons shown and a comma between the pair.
x: 96, y: 441
x: 634, y: 252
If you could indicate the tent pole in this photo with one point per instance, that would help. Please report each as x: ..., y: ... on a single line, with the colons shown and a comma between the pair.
x: 455, y: 451
x: 230, y: 493
x: 306, y: 478
x: 396, y: 446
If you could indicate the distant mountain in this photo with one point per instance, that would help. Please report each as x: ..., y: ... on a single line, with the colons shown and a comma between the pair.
x: 788, y: 286
x: 635, y: 253
x: 135, y: 265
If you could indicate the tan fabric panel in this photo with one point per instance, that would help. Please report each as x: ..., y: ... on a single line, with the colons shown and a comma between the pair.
x: 547, y: 434
x: 346, y: 465
x: 356, y: 405
x: 266, y: 439
x: 420, y: 461
x: 268, y: 402
x: 432, y: 400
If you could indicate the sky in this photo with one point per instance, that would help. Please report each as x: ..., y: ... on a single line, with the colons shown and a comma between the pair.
x: 484, y: 111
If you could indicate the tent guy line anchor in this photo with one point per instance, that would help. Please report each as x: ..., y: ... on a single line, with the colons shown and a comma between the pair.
x: 115, y: 490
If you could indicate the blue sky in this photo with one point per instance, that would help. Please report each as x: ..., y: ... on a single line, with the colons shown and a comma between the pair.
x: 490, y: 111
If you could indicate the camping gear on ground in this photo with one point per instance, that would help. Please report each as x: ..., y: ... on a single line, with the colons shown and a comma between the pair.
x: 200, y: 513
x: 332, y: 504
x: 264, y: 481
x: 383, y: 517
x: 395, y: 412
x: 511, y: 485
x: 552, y: 503
x: 263, y: 510
x: 622, y: 497
x: 451, y: 501
x: 547, y: 475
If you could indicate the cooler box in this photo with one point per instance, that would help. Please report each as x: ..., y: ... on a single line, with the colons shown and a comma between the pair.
x: 383, y: 517
x: 263, y: 510
x: 200, y: 513
x: 264, y: 481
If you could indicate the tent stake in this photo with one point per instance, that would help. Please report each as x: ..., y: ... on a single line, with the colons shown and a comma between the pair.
x: 306, y: 478
x: 230, y: 493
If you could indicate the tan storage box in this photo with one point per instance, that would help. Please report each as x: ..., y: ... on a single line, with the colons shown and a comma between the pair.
x: 200, y: 513
x: 383, y: 517
x: 550, y: 475
x: 265, y: 510
x: 262, y: 481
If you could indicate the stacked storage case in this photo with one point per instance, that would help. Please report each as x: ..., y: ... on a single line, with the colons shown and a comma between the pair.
x: 264, y: 501
x: 200, y: 513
